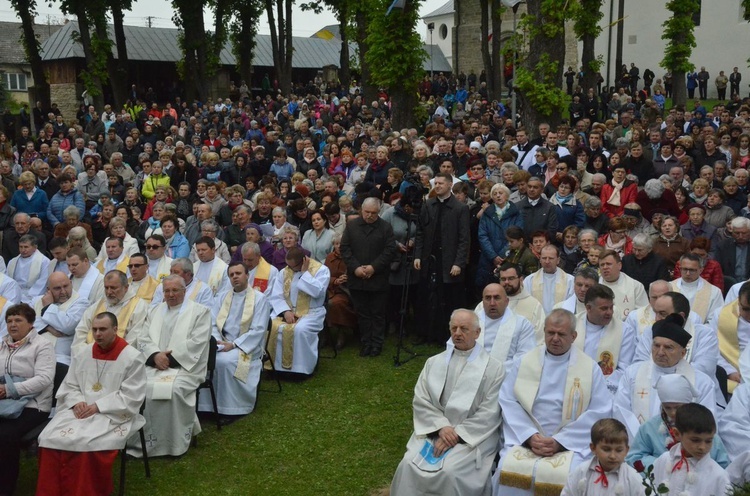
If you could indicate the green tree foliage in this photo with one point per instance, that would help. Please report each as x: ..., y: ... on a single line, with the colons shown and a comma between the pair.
x: 587, y: 16
x: 343, y: 10
x: 395, y: 56
x: 196, y: 46
x: 678, y: 32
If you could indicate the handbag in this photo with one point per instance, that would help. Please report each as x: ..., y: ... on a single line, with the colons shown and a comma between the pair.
x: 12, y: 406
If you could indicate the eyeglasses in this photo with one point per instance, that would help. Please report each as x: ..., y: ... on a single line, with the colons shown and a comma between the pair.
x: 562, y: 168
x: 135, y: 266
x: 153, y: 247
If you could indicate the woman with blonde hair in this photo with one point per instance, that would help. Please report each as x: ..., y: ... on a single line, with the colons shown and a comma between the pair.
x: 77, y: 239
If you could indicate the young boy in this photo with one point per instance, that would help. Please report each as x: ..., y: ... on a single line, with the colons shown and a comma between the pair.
x: 656, y: 436
x: 518, y: 252
x: 592, y: 259
x: 686, y: 468
x: 606, y: 473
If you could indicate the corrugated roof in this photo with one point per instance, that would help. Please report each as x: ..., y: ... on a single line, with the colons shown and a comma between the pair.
x: 11, y: 50
x: 446, y: 8
x: 160, y: 45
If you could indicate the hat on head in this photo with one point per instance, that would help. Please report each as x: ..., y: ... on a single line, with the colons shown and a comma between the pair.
x: 672, y: 328
x: 632, y: 212
x: 675, y: 388
x: 302, y: 190
x: 475, y: 145
x: 255, y: 226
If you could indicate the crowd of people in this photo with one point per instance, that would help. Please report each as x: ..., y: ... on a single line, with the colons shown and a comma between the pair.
x: 583, y: 275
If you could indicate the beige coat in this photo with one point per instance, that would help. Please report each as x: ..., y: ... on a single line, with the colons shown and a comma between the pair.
x: 35, y: 360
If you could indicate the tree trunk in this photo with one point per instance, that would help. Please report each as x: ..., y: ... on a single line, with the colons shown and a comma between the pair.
x: 121, y: 75
x: 31, y: 47
x: 588, y: 55
x: 248, y: 13
x: 281, y: 41
x: 496, y: 89
x: 679, y: 88
x: 403, y: 100
x: 344, y: 71
x: 117, y: 82
x: 554, y: 49
x: 95, y: 89
x: 286, y: 80
x: 485, y: 44
x: 369, y: 90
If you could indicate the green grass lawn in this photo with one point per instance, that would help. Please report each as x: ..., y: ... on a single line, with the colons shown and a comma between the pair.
x: 341, y: 432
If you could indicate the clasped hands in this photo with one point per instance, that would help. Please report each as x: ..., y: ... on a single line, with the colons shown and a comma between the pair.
x: 82, y: 410
x: 364, y: 271
x: 447, y: 438
x: 544, y: 446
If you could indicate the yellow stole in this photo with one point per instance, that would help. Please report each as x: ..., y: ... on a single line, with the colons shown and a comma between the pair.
x: 287, y: 330
x: 147, y: 288
x: 609, y: 343
x: 521, y: 466
x: 701, y: 300
x: 3, y: 301
x: 194, y: 292
x: 537, y: 283
x: 243, y: 363
x: 122, y: 266
x: 729, y: 344
x: 123, y: 317
x: 262, y: 273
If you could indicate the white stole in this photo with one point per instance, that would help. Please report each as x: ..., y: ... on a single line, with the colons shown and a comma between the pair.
x: 35, y: 268
x: 645, y: 386
x: 504, y: 337
x: 87, y: 282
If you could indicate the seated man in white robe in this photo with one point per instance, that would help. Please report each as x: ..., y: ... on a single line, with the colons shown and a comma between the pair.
x: 115, y: 259
x: 10, y: 294
x: 210, y: 228
x: 584, y: 279
x: 29, y: 268
x: 629, y: 293
x: 143, y: 285
x: 602, y: 336
x: 550, y: 284
x: 97, y: 410
x: 519, y: 300
x: 240, y: 319
x: 197, y: 291
x: 456, y: 418
x: 734, y: 428
x: 261, y: 273
x: 58, y: 248
x: 550, y: 399
x: 175, y: 345
x: 637, y: 400
x: 58, y: 312
x: 504, y: 335
x: 704, y: 297
x: 209, y: 268
x: 131, y: 311
x: 158, y: 262
x: 87, y: 281
x: 643, y: 317
x: 731, y: 325
x: 297, y: 305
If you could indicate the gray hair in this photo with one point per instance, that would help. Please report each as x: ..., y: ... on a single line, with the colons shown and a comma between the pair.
x: 29, y: 239
x: 174, y: 277
x: 587, y: 231
x: 210, y: 224
x: 740, y: 222
x: 560, y: 315
x: 184, y: 264
x: 245, y: 209
x: 290, y: 229
x: 71, y: 211
x: 643, y: 240
x: 21, y: 215
x: 278, y: 210
x: 593, y: 202
x: 707, y: 168
x: 372, y: 201
x: 426, y: 169
x: 587, y: 273
x: 599, y: 176
x: 474, y: 318
x: 249, y: 246
x: 120, y: 275
x: 500, y: 187
x: 509, y: 166
x: 654, y: 188
x: 659, y: 282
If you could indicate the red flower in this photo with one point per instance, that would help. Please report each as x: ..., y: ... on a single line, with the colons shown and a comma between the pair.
x: 638, y: 465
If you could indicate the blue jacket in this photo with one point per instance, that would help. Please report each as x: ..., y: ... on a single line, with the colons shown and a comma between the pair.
x: 569, y: 213
x: 36, y: 206
x: 60, y: 201
x: 492, y: 242
x: 179, y: 247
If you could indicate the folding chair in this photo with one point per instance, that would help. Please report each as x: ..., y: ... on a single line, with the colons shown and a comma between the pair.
x: 268, y: 358
x: 209, y: 382
x: 123, y: 457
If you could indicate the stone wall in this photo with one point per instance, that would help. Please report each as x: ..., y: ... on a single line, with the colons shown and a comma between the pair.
x: 66, y: 95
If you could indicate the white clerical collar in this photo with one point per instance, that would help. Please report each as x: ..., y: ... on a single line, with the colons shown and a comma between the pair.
x: 533, y: 202
x: 546, y: 274
x: 558, y: 358
x: 590, y: 326
x: 693, y: 284
x: 451, y: 348
x: 240, y: 293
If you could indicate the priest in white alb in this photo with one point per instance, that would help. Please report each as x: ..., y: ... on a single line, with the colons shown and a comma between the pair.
x: 550, y: 399
x: 504, y: 335
x: 158, y: 261
x: 97, y: 410
x: 550, y: 284
x: 10, y: 294
x: 637, y: 400
x: 240, y: 318
x: 176, y: 345
x: 195, y: 290
x: 704, y: 297
x: 58, y: 312
x: 629, y: 293
x: 731, y: 324
x: 29, y: 269
x: 114, y: 257
x: 261, y: 273
x: 297, y: 305
x: 519, y: 300
x: 584, y: 279
x: 643, y: 317
x: 88, y: 282
x: 602, y: 336
x: 456, y: 419
x: 143, y: 285
x: 209, y: 268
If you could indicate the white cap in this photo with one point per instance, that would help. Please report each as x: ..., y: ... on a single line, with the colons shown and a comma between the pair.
x: 675, y: 388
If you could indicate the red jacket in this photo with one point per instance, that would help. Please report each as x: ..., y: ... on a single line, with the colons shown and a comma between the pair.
x: 628, y: 194
x: 627, y: 248
x: 711, y: 272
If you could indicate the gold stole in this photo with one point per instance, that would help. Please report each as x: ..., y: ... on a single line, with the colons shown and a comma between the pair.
x: 641, y: 400
x: 147, y: 288
x: 243, y: 362
x: 521, y: 466
x: 701, y: 300
x: 3, y: 301
x: 194, y: 292
x: 262, y: 273
x: 122, y: 266
x: 537, y: 283
x: 729, y: 344
x: 123, y: 317
x: 609, y: 343
x: 287, y: 330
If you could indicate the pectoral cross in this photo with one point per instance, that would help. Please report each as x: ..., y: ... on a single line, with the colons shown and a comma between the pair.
x: 643, y: 393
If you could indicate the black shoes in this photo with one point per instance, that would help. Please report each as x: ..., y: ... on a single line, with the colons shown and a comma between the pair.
x: 365, y: 351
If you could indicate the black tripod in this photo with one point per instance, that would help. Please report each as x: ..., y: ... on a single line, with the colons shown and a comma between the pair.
x: 407, y: 258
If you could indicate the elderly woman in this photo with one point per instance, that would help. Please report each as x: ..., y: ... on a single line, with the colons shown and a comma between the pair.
x: 711, y: 271
x: 642, y: 264
x: 30, y: 199
x: 278, y: 217
x: 66, y: 196
x: 492, y: 242
x: 670, y: 245
x: 570, y: 255
x: 29, y: 360
x: 569, y: 210
x: 340, y: 317
x: 177, y: 244
x: 92, y: 184
x: 253, y: 233
x: 162, y: 195
x: 318, y: 240
x: 735, y: 199
x: 70, y: 219
x: 117, y: 229
x: 655, y: 195
x: 717, y: 213
x: 616, y: 238
x: 77, y: 239
x: 377, y: 173
x: 152, y: 225
x: 289, y: 239
x: 211, y: 229
x: 421, y: 157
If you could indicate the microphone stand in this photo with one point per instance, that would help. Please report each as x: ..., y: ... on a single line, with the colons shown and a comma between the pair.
x: 408, y: 258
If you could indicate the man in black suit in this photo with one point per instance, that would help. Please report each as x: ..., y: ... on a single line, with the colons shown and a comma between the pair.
x: 734, y: 82
x: 538, y: 213
x: 368, y: 248
x: 45, y: 181
x: 22, y: 226
x: 441, y: 255
x: 733, y: 254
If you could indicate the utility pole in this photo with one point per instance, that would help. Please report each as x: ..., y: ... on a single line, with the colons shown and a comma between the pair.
x: 149, y: 19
